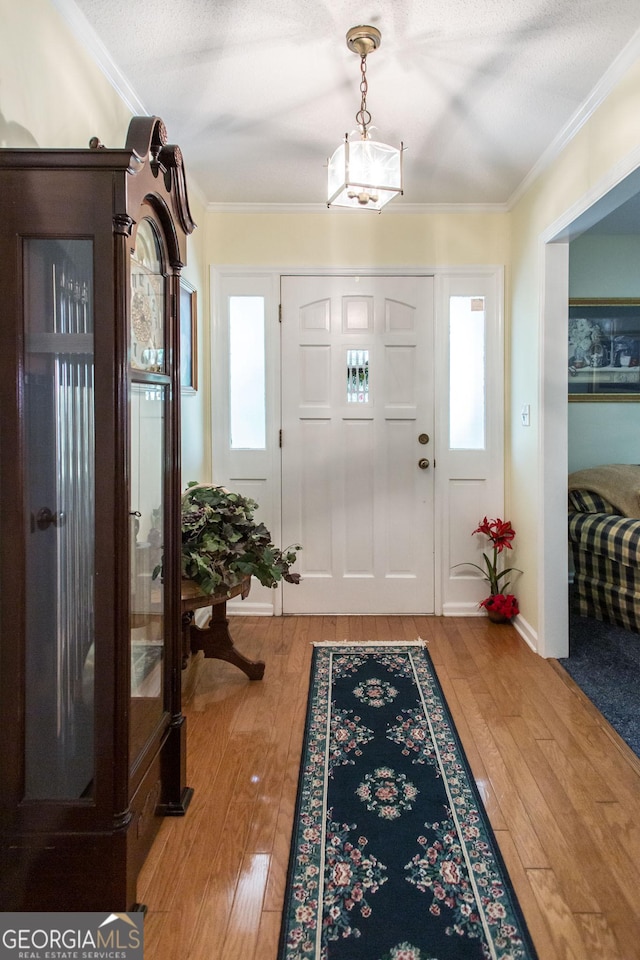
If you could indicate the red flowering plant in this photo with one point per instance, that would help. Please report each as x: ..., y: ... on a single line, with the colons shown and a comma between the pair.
x: 500, y: 534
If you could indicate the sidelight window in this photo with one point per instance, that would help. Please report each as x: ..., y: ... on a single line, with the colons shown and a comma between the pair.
x: 467, y: 395
x: 247, y: 398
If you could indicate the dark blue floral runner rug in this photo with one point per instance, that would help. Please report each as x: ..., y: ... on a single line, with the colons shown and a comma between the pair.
x: 392, y: 855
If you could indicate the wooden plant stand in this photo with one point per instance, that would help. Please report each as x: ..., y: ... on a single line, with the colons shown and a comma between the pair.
x: 214, y: 639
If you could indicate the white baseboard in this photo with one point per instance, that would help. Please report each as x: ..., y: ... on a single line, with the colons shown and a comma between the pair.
x: 460, y: 609
x: 245, y: 608
x: 526, y: 631
x: 523, y: 627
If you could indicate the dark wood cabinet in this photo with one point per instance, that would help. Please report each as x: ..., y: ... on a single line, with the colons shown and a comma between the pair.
x: 92, y: 746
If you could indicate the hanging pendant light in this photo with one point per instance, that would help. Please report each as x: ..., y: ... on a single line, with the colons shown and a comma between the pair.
x: 363, y: 173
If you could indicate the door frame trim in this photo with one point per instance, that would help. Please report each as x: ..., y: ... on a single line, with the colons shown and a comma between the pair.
x: 218, y: 273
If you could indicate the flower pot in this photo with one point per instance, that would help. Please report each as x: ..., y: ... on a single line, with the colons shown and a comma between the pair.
x: 501, y: 608
x: 496, y: 617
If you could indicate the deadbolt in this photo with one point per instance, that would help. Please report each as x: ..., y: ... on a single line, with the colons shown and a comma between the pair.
x: 423, y: 463
x: 423, y: 438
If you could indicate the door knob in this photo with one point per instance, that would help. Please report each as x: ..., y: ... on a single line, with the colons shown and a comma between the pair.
x: 423, y: 463
x: 44, y: 518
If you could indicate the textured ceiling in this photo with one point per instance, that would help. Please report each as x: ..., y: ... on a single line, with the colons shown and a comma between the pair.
x: 258, y: 94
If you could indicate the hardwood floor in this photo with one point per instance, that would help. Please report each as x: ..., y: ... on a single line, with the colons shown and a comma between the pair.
x: 562, y: 791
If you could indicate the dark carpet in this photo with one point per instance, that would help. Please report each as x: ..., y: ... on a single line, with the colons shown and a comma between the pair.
x: 604, y: 660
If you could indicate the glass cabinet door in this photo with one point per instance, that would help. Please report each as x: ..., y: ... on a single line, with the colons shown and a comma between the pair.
x: 148, y: 403
x: 60, y: 519
x: 147, y: 303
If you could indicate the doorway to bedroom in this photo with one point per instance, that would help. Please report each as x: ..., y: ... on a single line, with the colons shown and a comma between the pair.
x: 603, y: 431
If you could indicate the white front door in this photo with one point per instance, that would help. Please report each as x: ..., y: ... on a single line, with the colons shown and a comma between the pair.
x: 357, y: 443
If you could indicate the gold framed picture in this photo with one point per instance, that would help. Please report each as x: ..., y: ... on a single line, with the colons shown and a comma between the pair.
x: 604, y: 350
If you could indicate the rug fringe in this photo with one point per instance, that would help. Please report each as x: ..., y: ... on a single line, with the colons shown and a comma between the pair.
x: 370, y: 643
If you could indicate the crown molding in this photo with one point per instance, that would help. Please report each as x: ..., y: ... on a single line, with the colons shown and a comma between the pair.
x: 401, y: 209
x: 90, y: 41
x: 629, y: 55
x: 619, y: 184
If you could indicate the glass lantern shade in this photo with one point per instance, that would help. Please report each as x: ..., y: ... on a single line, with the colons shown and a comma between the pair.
x: 364, y: 175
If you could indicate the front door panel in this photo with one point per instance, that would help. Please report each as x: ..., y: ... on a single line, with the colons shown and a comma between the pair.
x: 357, y: 474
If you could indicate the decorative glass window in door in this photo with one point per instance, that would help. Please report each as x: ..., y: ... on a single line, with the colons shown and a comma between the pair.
x: 357, y: 376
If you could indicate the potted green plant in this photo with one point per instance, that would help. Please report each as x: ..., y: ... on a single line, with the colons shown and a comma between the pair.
x: 222, y: 543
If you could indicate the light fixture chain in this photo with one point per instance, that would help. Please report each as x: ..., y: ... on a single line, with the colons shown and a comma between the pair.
x: 363, y: 117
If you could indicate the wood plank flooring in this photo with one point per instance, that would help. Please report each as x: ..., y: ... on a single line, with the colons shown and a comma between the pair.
x: 561, y: 789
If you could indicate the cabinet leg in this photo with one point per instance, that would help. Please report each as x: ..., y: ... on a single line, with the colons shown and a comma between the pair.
x: 216, y: 642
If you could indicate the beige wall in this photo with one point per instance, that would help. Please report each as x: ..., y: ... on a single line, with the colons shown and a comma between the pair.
x: 330, y: 238
x: 196, y: 408
x: 51, y: 93
x: 602, y: 145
